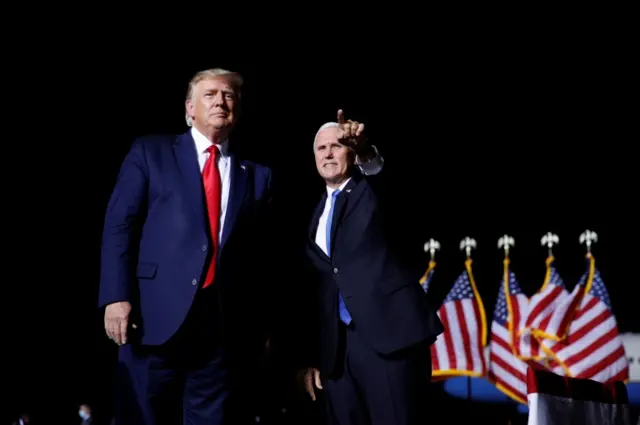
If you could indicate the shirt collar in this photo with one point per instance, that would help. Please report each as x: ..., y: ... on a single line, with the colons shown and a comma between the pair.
x: 330, y: 190
x: 202, y: 143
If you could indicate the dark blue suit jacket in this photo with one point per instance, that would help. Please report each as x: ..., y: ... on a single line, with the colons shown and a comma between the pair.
x: 156, y: 242
x: 383, y: 295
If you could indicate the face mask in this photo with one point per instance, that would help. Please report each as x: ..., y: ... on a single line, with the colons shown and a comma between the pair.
x: 83, y: 414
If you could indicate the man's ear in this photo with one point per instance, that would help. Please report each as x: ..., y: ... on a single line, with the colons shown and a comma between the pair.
x: 188, y: 107
x: 353, y: 158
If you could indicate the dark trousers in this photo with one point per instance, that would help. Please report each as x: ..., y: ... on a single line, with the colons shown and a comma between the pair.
x: 185, y: 381
x: 369, y: 389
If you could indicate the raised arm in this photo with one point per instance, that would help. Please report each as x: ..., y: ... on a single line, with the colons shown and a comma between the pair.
x: 351, y: 134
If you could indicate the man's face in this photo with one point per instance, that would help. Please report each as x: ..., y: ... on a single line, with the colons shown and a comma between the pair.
x: 333, y: 159
x: 213, y: 105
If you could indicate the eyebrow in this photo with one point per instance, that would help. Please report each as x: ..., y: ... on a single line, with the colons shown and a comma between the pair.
x: 324, y: 144
x: 223, y: 91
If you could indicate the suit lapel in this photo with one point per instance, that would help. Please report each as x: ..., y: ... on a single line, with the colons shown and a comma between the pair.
x: 313, y: 227
x: 187, y: 159
x: 339, y: 210
x: 237, y: 192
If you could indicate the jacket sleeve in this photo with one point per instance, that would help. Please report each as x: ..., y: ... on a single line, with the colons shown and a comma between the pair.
x: 122, y: 226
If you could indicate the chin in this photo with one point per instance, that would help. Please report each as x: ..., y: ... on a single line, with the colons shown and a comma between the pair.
x: 333, y: 178
x: 328, y: 176
x: 220, y: 123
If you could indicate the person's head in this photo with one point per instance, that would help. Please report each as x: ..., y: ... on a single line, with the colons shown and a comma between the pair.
x: 84, y: 411
x: 213, y: 100
x: 334, y: 160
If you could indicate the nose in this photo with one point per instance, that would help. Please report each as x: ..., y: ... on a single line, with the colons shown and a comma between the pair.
x: 218, y: 99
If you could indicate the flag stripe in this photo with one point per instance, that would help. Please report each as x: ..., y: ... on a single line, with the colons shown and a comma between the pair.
x: 449, y: 337
x: 539, y: 309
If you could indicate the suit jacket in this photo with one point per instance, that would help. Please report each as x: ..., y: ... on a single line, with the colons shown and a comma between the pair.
x: 383, y: 294
x: 156, y: 242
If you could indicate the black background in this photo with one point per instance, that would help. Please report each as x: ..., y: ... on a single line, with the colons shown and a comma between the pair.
x: 486, y: 136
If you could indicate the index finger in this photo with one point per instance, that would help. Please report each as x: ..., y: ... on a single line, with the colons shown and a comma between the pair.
x: 340, y: 116
x: 318, y: 381
x: 123, y: 332
x: 308, y: 385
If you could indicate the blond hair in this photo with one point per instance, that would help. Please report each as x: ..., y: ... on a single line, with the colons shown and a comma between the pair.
x: 234, y: 78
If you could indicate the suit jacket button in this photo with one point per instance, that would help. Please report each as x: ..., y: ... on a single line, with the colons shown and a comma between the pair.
x: 335, y: 270
x: 194, y: 282
x: 204, y: 247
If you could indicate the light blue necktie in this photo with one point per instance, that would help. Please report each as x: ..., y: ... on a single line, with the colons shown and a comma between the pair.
x: 344, y: 313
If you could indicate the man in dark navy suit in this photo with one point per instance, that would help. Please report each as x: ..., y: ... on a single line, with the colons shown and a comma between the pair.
x: 372, y: 324
x: 179, y: 256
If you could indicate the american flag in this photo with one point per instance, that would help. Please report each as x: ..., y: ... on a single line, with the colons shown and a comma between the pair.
x: 425, y: 280
x: 560, y: 309
x: 460, y: 349
x: 506, y: 370
x: 542, y: 318
x: 593, y: 348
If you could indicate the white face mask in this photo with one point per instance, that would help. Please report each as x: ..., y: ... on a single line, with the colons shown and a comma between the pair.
x: 83, y: 414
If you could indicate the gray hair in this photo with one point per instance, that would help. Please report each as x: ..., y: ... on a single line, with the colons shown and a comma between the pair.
x: 235, y: 79
x: 324, y: 126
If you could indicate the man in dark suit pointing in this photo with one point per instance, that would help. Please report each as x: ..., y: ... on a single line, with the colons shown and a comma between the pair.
x: 372, y: 325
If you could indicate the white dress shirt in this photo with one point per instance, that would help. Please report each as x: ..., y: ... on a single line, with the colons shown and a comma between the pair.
x: 224, y: 165
x: 370, y: 168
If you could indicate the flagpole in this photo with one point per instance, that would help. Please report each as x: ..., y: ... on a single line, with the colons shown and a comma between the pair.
x: 466, y: 245
x: 506, y: 242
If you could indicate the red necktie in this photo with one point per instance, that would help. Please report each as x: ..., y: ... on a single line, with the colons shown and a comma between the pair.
x: 212, y: 190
